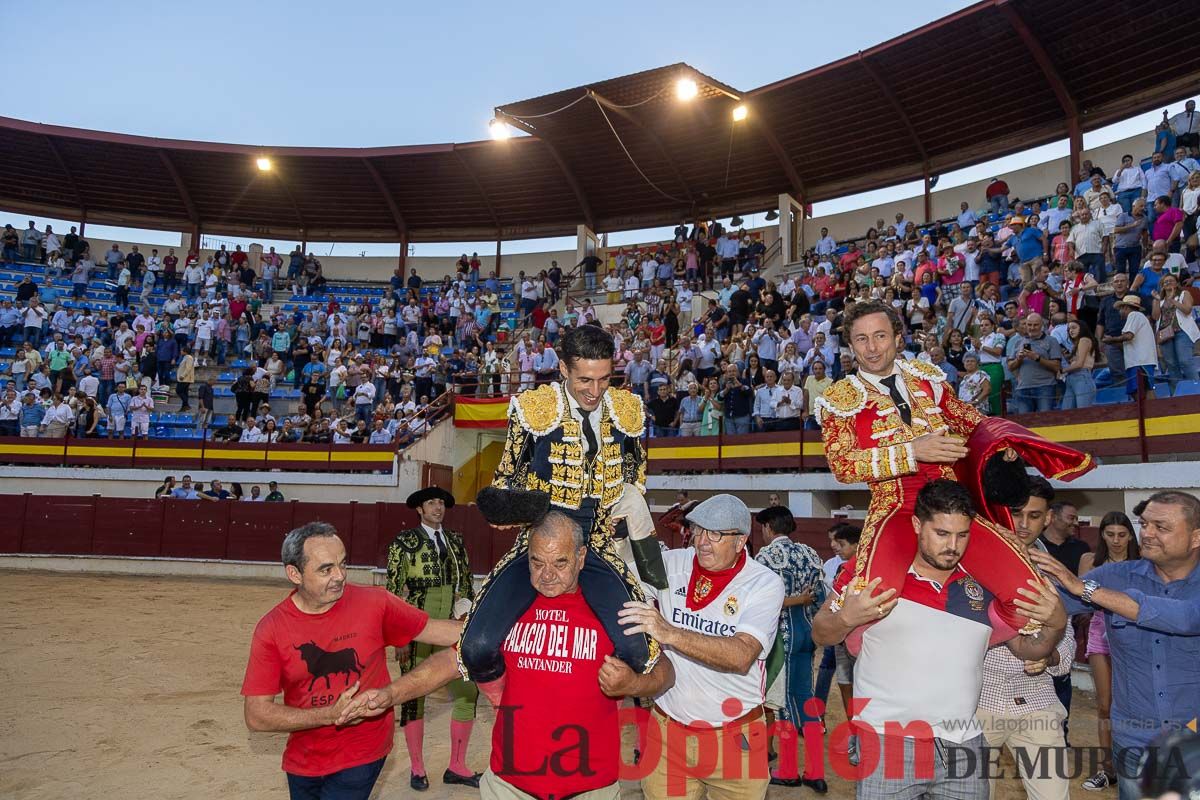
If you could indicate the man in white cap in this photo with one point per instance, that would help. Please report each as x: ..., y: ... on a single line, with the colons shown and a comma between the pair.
x: 716, y: 621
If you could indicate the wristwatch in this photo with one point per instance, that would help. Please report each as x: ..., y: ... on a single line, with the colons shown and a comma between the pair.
x: 1088, y: 588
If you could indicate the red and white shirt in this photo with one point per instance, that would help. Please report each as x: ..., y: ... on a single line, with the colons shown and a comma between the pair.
x: 924, y: 661
x: 749, y: 603
x: 313, y: 658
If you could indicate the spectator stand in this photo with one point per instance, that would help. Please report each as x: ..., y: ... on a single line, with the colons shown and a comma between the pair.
x: 1149, y: 429
x: 197, y: 454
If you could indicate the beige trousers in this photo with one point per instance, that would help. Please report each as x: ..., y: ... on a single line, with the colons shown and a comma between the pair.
x: 1039, y: 737
x: 722, y: 782
x: 493, y: 787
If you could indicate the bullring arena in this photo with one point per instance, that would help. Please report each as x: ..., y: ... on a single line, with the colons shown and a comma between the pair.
x: 168, y: 722
x: 289, y: 334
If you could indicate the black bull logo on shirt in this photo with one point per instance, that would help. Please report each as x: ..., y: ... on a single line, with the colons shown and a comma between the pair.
x: 323, y: 664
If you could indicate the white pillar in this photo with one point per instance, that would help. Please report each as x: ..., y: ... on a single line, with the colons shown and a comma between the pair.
x: 791, y: 228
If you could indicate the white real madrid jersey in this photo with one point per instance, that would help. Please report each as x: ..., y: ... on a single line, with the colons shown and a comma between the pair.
x: 749, y: 604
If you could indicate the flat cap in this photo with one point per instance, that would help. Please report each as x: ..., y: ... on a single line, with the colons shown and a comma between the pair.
x: 721, y: 512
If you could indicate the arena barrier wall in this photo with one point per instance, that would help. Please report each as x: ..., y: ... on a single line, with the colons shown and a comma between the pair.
x: 196, y: 454
x: 227, y: 530
x: 1137, y: 429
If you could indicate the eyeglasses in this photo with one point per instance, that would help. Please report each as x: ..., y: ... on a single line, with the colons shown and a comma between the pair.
x: 713, y: 536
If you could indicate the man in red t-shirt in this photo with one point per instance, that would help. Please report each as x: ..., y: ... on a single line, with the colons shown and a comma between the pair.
x: 557, y: 733
x: 318, y: 646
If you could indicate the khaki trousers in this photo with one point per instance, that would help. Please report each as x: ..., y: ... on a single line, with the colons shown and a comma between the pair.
x: 721, y: 781
x: 1039, y: 737
x: 493, y: 787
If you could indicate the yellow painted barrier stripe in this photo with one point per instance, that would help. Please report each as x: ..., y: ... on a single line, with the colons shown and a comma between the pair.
x: 234, y: 455
x: 300, y: 455
x: 170, y: 452
x: 380, y: 457
x: 33, y: 449
x: 1090, y: 431
x: 695, y: 451
x: 780, y: 449
x: 775, y: 449
x: 98, y: 450
x: 1172, y: 426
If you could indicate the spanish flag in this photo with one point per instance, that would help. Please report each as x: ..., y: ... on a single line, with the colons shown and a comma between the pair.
x: 486, y: 412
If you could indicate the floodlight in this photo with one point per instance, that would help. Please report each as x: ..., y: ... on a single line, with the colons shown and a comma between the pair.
x: 686, y: 89
x: 499, y: 130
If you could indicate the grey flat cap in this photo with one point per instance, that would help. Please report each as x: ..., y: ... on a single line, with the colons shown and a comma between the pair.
x: 721, y: 512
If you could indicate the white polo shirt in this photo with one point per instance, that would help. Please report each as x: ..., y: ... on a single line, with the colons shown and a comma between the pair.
x: 749, y: 604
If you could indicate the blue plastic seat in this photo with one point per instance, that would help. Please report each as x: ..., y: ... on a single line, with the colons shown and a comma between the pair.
x: 1187, y: 388
x: 1111, y: 395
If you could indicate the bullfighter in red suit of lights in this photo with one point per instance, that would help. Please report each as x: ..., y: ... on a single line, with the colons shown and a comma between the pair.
x: 875, y: 424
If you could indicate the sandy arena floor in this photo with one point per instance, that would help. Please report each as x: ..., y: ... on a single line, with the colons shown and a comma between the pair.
x: 128, y: 687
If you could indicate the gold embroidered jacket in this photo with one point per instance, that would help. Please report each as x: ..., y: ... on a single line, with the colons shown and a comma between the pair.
x: 544, y: 450
x: 866, y: 441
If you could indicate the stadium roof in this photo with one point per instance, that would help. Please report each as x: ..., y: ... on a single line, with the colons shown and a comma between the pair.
x: 998, y: 77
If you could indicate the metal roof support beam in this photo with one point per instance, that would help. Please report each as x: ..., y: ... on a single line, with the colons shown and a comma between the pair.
x: 628, y: 116
x: 572, y: 181
x: 1053, y: 77
x: 180, y: 186
x: 62, y: 164
x: 397, y: 217
x: 487, y: 201
x: 785, y: 161
x: 896, y: 107
x: 295, y: 206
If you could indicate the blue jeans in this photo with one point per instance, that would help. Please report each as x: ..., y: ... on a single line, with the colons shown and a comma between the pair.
x: 661, y: 432
x: 193, y: 292
x: 363, y: 411
x: 1094, y: 263
x: 1127, y: 763
x: 1080, y: 390
x: 736, y: 426
x: 1129, y: 259
x: 354, y: 783
x: 1151, y: 214
x: 1177, y: 359
x: 999, y: 204
x: 1131, y: 378
x: 268, y: 288
x: 1127, y: 197
x: 1029, y: 399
